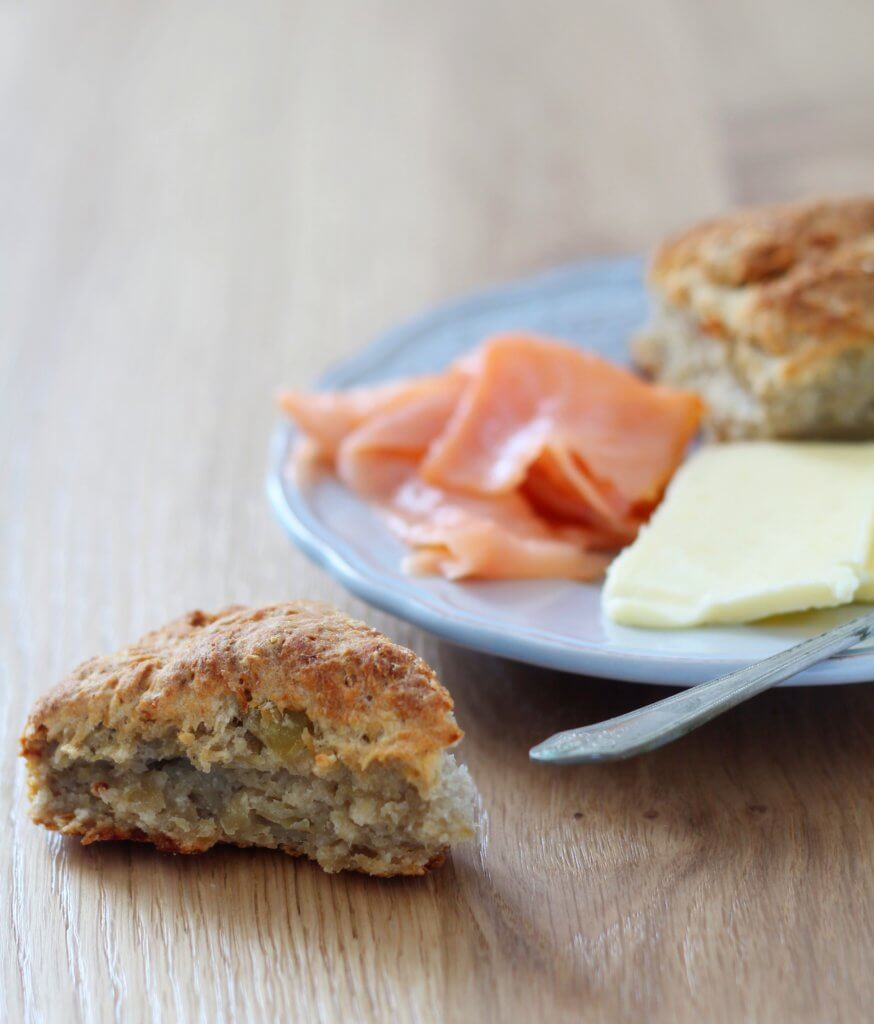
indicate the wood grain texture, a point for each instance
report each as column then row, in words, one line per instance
column 202, row 202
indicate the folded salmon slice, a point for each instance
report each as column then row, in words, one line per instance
column 525, row 459
column 378, row 456
column 610, row 441
column 328, row 417
column 464, row 537
column 560, row 490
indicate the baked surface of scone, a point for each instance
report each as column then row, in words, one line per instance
column 769, row 313
column 289, row 726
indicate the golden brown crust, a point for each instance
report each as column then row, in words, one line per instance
column 795, row 279
column 379, row 700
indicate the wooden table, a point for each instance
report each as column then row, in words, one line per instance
column 202, row 202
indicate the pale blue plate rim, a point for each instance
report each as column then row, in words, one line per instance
column 329, row 551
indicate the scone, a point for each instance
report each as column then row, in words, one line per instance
column 290, row 727
column 769, row 314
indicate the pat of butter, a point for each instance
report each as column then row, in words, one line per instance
column 750, row 530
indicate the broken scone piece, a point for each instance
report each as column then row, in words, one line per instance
column 291, row 727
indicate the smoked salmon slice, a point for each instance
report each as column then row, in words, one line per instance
column 464, row 537
column 382, row 452
column 598, row 423
column 528, row 458
column 327, row 418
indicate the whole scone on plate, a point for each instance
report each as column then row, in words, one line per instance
column 290, row 726
column 768, row 313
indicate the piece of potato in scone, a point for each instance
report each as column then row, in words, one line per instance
column 768, row 313
column 291, row 727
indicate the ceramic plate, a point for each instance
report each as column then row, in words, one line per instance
column 553, row 623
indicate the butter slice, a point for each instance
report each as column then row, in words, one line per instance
column 750, row 530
